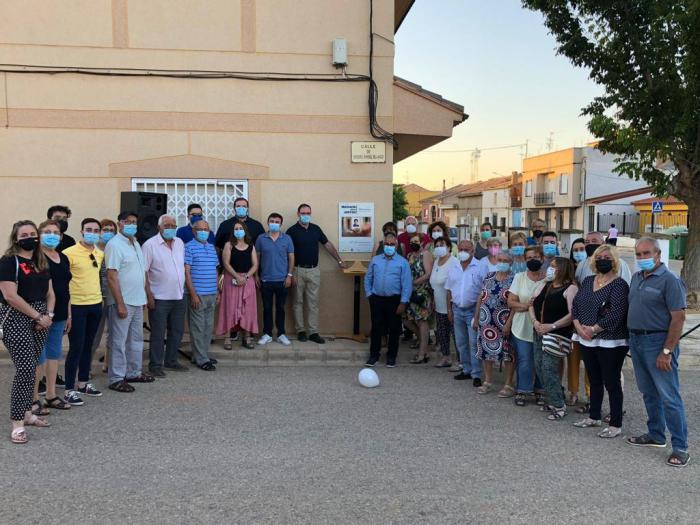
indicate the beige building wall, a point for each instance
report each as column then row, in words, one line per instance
column 78, row 140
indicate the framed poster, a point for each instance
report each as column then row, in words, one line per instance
column 355, row 226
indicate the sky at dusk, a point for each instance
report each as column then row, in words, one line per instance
column 497, row 60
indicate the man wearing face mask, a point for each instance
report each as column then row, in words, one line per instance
column 550, row 248
column 306, row 237
column 482, row 249
column 388, row 287
column 276, row 253
column 194, row 215
column 463, row 286
column 164, row 257
column 61, row 214
column 241, row 209
column 538, row 228
column 583, row 270
column 411, row 227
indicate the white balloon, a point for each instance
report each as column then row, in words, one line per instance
column 368, row 378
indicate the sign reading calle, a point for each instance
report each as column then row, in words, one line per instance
column 374, row 151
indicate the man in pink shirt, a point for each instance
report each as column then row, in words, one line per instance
column 164, row 257
column 411, row 226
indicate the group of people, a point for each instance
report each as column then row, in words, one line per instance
column 52, row 285
column 538, row 314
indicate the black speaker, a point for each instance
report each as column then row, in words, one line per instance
column 149, row 207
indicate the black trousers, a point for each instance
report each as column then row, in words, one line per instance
column 603, row 366
column 384, row 320
column 277, row 293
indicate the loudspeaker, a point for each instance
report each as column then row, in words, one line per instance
column 149, row 207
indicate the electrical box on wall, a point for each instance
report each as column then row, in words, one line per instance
column 340, row 52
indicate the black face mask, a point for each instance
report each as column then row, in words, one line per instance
column 28, row 243
column 534, row 265
column 537, row 233
column 591, row 248
column 63, row 225
column 415, row 246
column 603, row 265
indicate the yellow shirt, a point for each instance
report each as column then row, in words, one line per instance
column 85, row 284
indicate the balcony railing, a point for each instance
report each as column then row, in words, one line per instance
column 544, row 199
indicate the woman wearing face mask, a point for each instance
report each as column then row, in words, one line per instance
column 600, row 319
column 109, row 230
column 520, row 294
column 493, row 323
column 490, row 262
column 518, row 242
column 439, row 230
column 238, row 309
column 59, row 269
column 379, row 245
column 443, row 328
column 482, row 249
column 550, row 313
column 420, row 307
column 573, row 362
column 25, row 316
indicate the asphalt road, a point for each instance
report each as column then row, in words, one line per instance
column 309, row 445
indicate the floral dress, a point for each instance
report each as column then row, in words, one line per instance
column 493, row 316
column 422, row 310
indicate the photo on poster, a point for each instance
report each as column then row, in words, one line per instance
column 355, row 224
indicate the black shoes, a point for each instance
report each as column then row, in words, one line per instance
column 477, row 382
column 157, row 372
column 462, row 376
column 391, row 364
column 317, row 339
column 371, row 362
column 301, row 337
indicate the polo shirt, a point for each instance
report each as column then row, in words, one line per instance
column 305, row 240
column 223, row 234
column 85, row 284
column 126, row 257
column 203, row 261
column 653, row 298
column 273, row 255
column 186, row 234
column 165, row 267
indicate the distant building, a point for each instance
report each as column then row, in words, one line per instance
column 674, row 213
column 414, row 194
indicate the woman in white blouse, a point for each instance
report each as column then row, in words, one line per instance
column 441, row 267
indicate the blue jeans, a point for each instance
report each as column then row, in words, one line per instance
column 54, row 343
column 465, row 339
column 525, row 366
column 661, row 390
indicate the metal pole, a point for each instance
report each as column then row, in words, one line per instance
column 624, row 222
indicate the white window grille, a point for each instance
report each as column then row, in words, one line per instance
column 215, row 196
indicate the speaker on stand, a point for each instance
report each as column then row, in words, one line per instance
column 149, row 207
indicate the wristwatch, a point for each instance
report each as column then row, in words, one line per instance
column 554, row 326
column 667, row 351
column 51, row 315
column 290, row 275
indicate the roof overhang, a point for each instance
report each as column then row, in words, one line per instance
column 421, row 118
column 621, row 195
column 401, row 9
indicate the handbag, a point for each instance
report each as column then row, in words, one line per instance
column 2, row 333
column 554, row 344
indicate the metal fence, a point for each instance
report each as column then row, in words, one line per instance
column 626, row 223
column 640, row 223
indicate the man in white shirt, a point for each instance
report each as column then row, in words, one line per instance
column 463, row 285
column 164, row 257
column 612, row 235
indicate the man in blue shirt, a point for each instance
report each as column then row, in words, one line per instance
column 194, row 215
column 388, row 286
column 276, row 253
column 201, row 277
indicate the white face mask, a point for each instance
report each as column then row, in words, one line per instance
column 551, row 273
column 464, row 256
column 411, row 228
column 441, row 251
column 437, row 235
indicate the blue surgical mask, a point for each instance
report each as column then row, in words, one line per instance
column 50, row 240
column 646, row 264
column 389, row 251
column 238, row 234
column 305, row 219
column 550, row 250
column 202, row 235
column 503, row 267
column 274, row 227
column 169, row 234
column 518, row 251
column 195, row 219
column 91, row 238
column 130, row 230
column 241, row 211
column 580, row 256
column 107, row 236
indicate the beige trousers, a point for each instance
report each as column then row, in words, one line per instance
column 308, row 283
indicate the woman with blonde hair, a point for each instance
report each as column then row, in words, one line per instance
column 518, row 243
column 26, row 314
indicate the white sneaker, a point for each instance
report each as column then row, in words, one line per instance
column 264, row 340
column 283, row 339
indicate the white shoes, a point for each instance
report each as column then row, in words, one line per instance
column 264, row 340
column 283, row 340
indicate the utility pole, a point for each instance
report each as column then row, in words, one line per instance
column 550, row 141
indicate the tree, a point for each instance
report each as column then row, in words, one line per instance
column 400, row 203
column 646, row 56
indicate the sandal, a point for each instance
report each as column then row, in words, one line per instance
column 245, row 343
column 36, row 421
column 228, row 345
column 443, row 364
column 572, row 400
column 588, row 422
column 678, row 459
column 506, row 391
column 485, row 388
column 557, row 413
column 610, row 432
column 141, row 378
column 539, row 399
column 520, row 400
column 58, row 404
column 121, row 386
column 38, row 409
column 19, row 436
column 585, row 409
column 208, row 366
column 418, row 360
column 645, row 441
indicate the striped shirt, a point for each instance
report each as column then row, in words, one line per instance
column 203, row 263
